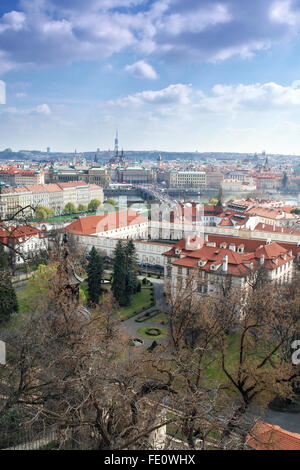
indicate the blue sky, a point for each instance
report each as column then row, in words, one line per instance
column 177, row 75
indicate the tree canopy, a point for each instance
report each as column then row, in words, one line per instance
column 95, row 274
column 94, row 204
column 8, row 302
column 43, row 213
column 69, row 208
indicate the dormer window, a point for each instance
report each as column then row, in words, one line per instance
column 177, row 251
column 201, row 263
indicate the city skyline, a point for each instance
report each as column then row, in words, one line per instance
column 210, row 76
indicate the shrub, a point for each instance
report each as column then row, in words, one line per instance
column 153, row 346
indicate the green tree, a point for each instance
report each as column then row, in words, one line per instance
column 94, row 204
column 82, row 208
column 119, row 285
column 220, row 195
column 111, row 201
column 131, row 268
column 285, row 180
column 69, row 208
column 8, row 303
column 43, row 213
column 38, row 290
column 95, row 274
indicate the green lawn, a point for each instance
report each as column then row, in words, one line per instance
column 160, row 317
column 65, row 218
column 140, row 302
column 145, row 332
column 24, row 303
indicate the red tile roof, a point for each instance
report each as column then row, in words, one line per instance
column 270, row 213
column 250, row 244
column 225, row 223
column 101, row 223
column 266, row 436
column 18, row 234
column 72, row 184
column 239, row 264
column 276, row 229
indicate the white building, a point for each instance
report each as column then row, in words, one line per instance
column 26, row 242
column 210, row 265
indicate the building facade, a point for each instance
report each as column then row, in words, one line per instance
column 186, row 179
column 53, row 196
column 211, row 267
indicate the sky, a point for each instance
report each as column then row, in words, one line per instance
column 170, row 75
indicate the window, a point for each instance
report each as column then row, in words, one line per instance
column 202, row 289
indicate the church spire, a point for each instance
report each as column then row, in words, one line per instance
column 117, row 143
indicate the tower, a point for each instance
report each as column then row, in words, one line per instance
column 117, row 144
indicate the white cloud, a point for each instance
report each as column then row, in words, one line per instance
column 142, row 69
column 14, row 20
column 172, row 95
column 283, row 12
column 260, row 95
column 63, row 31
column 43, row 109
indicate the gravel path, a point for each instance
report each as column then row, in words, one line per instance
column 131, row 326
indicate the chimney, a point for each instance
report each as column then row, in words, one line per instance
column 225, row 264
column 262, row 259
column 290, row 253
column 268, row 241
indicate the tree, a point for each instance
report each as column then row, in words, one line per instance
column 220, row 195
column 82, row 208
column 94, row 204
column 76, row 373
column 38, row 290
column 8, row 303
column 131, row 268
column 111, row 201
column 69, row 208
column 125, row 282
column 295, row 211
column 43, row 213
column 119, row 285
column 243, row 338
column 285, row 180
column 95, row 274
